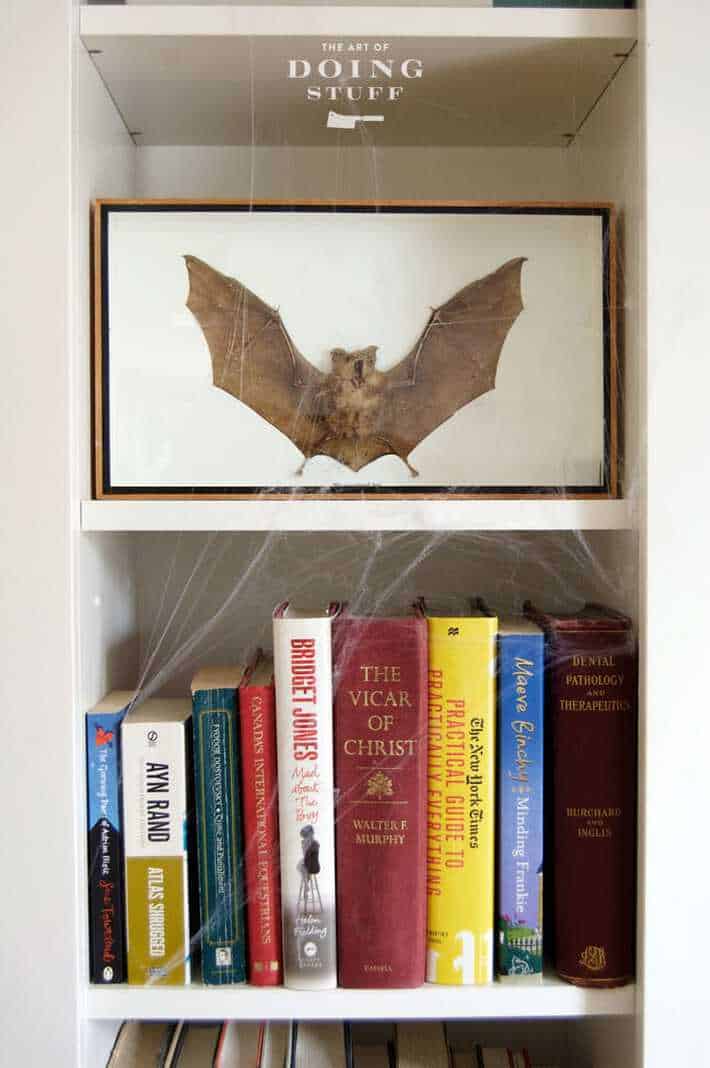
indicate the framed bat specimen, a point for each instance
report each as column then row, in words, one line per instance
column 300, row 349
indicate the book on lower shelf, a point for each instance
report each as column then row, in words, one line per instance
column 195, row 1045
column 380, row 667
column 105, row 838
column 461, row 795
column 218, row 824
column 240, row 1043
column 421, row 1045
column 500, row 1057
column 143, row 1042
column 592, row 708
column 318, row 1045
column 156, row 747
column 521, row 666
column 310, row 1044
column 304, row 726
column 259, row 779
column 611, row 4
column 274, row 1044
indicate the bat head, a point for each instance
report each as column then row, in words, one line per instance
column 358, row 365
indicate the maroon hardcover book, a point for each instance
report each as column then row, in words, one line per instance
column 257, row 720
column 380, row 669
column 592, row 704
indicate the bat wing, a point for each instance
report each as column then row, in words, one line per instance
column 455, row 360
column 253, row 357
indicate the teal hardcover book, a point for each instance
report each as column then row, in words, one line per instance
column 218, row 819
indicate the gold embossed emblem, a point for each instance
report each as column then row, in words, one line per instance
column 593, row 958
column 379, row 785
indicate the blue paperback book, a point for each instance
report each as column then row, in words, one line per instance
column 107, row 917
column 520, row 797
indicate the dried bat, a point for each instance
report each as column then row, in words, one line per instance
column 355, row 413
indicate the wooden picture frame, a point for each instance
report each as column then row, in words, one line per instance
column 126, row 232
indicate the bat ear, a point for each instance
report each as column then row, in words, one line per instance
column 371, row 354
column 337, row 354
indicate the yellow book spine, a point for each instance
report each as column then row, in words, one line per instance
column 461, row 800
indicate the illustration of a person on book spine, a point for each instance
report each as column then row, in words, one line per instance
column 309, row 868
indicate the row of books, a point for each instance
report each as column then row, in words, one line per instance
column 383, row 787
column 238, row 1044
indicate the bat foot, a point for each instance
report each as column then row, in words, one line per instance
column 412, row 470
column 301, row 467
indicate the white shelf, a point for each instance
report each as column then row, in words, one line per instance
column 346, row 515
column 550, row 998
column 366, row 20
column 218, row 75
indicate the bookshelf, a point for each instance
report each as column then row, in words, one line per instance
column 85, row 579
column 365, row 516
column 174, row 71
column 551, row 998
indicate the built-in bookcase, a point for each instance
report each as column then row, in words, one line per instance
column 148, row 590
column 200, row 579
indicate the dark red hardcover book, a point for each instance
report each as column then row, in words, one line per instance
column 380, row 721
column 257, row 718
column 592, row 686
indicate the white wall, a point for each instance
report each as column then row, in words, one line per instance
column 44, row 445
column 675, row 978
column 37, row 916
column 103, row 565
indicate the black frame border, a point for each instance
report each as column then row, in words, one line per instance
column 603, row 490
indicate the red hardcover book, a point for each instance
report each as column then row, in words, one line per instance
column 257, row 718
column 380, row 684
column 592, row 702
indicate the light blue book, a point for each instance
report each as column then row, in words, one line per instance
column 521, row 654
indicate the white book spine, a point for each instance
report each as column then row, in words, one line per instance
column 304, row 726
column 155, row 812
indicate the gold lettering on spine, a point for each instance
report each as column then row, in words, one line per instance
column 263, row 902
column 380, row 722
column 596, row 821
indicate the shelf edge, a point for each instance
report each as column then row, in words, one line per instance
column 552, row 998
column 367, row 21
column 369, row 515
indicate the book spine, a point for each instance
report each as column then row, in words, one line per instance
column 520, row 804
column 563, row 3
column 380, row 773
column 304, row 726
column 257, row 716
column 155, row 814
column 219, row 844
column 461, row 800
column 107, row 940
column 593, row 704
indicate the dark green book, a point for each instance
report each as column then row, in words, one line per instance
column 218, row 819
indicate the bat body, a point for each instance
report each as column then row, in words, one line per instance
column 355, row 413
